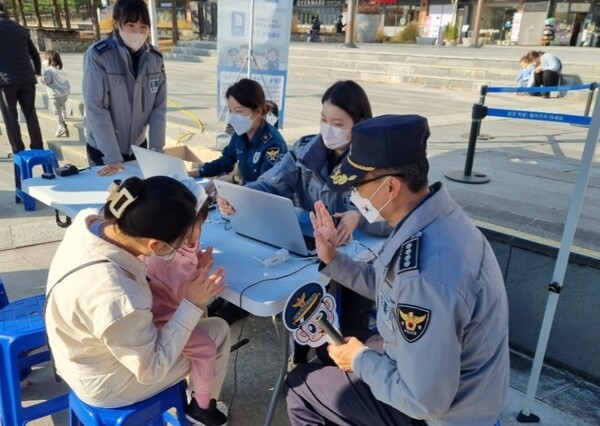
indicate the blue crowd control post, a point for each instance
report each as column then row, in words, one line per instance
column 468, row 176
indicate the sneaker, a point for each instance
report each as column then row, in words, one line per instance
column 230, row 313
column 210, row 416
column 62, row 131
column 214, row 306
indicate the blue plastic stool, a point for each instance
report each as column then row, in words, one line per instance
column 24, row 162
column 22, row 329
column 150, row 412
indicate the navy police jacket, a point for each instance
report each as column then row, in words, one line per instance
column 254, row 156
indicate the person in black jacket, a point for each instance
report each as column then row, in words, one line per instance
column 315, row 28
column 17, row 82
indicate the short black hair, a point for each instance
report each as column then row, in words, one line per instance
column 125, row 11
column 413, row 175
column 2, row 8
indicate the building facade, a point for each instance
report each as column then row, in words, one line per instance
column 574, row 22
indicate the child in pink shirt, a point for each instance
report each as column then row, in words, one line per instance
column 167, row 278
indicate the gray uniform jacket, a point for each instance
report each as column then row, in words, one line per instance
column 302, row 175
column 442, row 313
column 119, row 106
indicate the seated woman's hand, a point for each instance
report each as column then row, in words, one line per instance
column 203, row 286
column 224, row 207
column 348, row 221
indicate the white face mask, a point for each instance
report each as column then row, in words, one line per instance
column 365, row 206
column 165, row 257
column 133, row 41
column 241, row 124
column 334, row 137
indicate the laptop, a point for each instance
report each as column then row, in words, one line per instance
column 154, row 163
column 268, row 218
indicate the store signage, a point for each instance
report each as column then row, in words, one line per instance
column 539, row 6
column 580, row 7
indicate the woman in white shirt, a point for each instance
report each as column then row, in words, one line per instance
column 98, row 316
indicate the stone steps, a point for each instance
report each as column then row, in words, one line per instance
column 452, row 70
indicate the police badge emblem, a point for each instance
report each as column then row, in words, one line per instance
column 272, row 155
column 413, row 321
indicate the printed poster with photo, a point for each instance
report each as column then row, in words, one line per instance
column 270, row 45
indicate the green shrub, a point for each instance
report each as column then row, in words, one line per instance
column 450, row 32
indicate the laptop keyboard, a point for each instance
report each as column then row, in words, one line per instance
column 311, row 244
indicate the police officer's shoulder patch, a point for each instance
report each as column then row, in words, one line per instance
column 413, row 321
column 155, row 50
column 408, row 258
column 306, row 139
column 266, row 137
column 102, row 46
column 272, row 154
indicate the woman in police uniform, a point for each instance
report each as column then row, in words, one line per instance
column 256, row 145
column 124, row 90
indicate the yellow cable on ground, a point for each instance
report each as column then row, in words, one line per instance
column 189, row 114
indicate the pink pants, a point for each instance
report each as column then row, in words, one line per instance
column 208, row 352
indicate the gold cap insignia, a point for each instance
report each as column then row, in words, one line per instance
column 339, row 178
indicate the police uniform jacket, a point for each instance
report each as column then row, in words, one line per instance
column 442, row 313
column 254, row 157
column 302, row 175
column 17, row 53
column 100, row 324
column 119, row 106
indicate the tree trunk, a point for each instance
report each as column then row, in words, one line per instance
column 175, row 30
column 56, row 11
column 22, row 12
column 67, row 16
column 15, row 12
column 36, row 8
column 94, row 16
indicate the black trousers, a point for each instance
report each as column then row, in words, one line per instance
column 96, row 158
column 24, row 95
column 546, row 78
column 325, row 395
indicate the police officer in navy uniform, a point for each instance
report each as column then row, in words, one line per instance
column 441, row 357
column 256, row 145
column 124, row 90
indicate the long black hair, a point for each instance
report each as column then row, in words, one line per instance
column 349, row 96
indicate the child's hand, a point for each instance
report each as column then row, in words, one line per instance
column 202, row 287
column 205, row 257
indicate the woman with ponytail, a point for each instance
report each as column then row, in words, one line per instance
column 100, row 326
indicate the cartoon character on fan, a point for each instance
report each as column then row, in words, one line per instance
column 303, row 308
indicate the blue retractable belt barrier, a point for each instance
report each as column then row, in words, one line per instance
column 480, row 111
column 537, row 115
column 539, row 89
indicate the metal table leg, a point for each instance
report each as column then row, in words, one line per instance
column 284, row 350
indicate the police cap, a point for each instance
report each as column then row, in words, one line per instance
column 382, row 142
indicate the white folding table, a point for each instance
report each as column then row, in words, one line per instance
column 260, row 290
